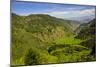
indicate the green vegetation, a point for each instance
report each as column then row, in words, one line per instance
column 68, row 40
column 43, row 39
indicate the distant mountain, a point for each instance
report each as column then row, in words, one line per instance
column 74, row 24
column 83, row 19
column 86, row 30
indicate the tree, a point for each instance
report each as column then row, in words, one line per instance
column 31, row 57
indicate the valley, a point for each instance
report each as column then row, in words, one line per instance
column 44, row 39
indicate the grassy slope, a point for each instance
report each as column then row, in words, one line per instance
column 68, row 40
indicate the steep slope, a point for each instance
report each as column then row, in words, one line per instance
column 44, row 27
column 88, row 34
column 86, row 30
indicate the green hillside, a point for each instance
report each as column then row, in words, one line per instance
column 44, row 39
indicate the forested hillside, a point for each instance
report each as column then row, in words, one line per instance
column 88, row 33
column 44, row 39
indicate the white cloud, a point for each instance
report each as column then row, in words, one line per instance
column 73, row 14
column 88, row 11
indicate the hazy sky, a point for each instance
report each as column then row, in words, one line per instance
column 66, row 11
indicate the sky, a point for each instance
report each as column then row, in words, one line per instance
column 64, row 11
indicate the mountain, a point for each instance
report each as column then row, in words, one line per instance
column 36, row 31
column 88, row 34
column 86, row 30
column 44, row 27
